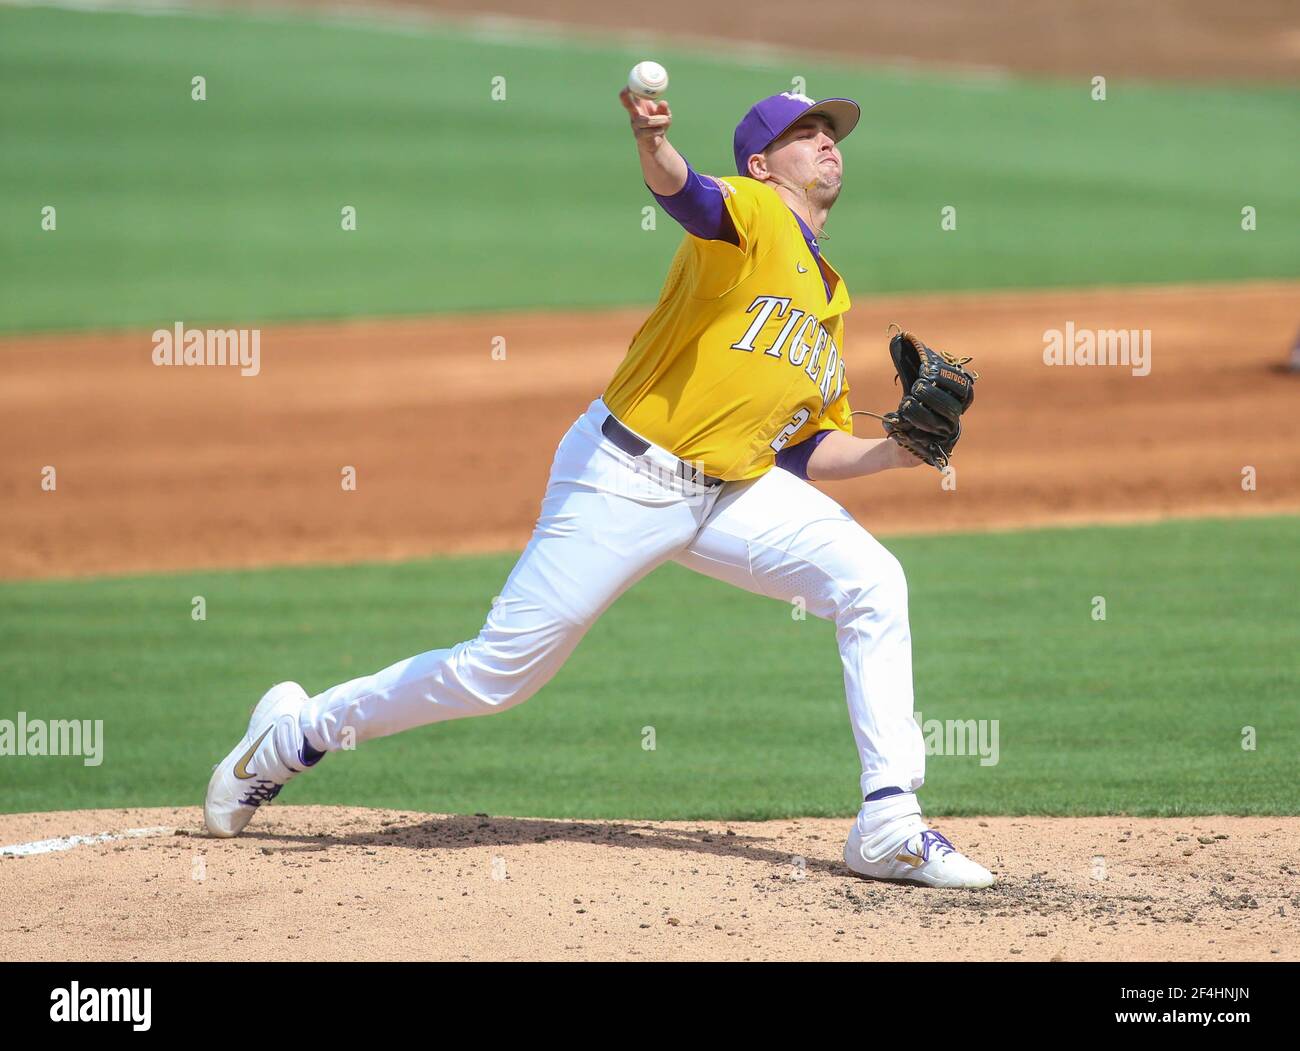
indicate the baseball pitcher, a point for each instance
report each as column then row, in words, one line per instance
column 732, row 395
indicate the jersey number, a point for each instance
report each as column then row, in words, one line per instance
column 788, row 431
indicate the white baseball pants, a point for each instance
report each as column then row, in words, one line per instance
column 607, row 520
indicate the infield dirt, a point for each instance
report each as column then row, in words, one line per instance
column 163, row 468
column 313, row 883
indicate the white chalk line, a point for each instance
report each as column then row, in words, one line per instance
column 49, row 846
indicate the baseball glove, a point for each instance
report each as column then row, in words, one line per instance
column 937, row 389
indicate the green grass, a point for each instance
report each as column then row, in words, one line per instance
column 1142, row 713
column 229, row 209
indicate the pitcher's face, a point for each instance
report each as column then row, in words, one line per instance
column 807, row 157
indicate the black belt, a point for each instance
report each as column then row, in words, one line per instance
column 634, row 446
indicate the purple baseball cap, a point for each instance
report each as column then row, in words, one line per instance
column 770, row 118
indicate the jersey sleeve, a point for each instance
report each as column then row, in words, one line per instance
column 748, row 205
column 753, row 211
column 698, row 207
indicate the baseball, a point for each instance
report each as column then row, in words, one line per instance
column 648, row 80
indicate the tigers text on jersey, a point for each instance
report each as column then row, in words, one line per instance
column 742, row 355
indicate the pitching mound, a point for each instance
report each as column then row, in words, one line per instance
column 329, row 883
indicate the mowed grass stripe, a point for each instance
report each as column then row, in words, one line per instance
column 1144, row 712
column 229, row 210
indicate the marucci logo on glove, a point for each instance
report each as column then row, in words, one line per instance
column 937, row 391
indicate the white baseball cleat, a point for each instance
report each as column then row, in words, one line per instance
column 925, row 858
column 254, row 771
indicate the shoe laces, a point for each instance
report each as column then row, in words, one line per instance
column 261, row 792
column 934, row 841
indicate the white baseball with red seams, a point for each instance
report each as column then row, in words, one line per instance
column 648, row 80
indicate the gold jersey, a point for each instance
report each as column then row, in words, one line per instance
column 742, row 355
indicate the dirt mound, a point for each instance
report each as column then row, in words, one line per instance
column 326, row 883
column 166, row 468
